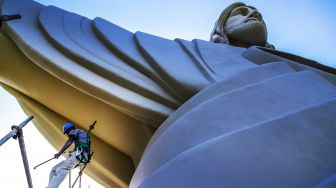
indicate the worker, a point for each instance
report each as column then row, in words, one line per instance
column 80, row 154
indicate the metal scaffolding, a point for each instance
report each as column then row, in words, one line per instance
column 18, row 133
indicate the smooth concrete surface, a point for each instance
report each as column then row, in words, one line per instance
column 186, row 77
column 221, row 115
column 234, row 110
column 295, row 150
column 222, row 59
column 256, row 74
column 93, row 55
column 261, row 55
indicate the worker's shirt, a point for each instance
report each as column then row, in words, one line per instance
column 79, row 135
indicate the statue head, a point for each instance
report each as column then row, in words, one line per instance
column 240, row 25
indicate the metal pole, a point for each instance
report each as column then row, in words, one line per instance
column 17, row 133
column 80, row 178
column 14, row 132
column 24, row 155
column 43, row 163
column 80, row 173
column 69, row 178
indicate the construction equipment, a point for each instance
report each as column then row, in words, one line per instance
column 43, row 163
column 80, row 174
column 6, row 18
column 17, row 133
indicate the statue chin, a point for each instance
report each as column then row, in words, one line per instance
column 249, row 33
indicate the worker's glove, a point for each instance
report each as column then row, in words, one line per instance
column 57, row 155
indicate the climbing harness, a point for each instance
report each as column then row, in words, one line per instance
column 83, row 155
column 83, row 151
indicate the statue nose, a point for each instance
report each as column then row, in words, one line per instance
column 255, row 14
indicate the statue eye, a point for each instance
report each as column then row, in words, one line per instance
column 240, row 11
column 237, row 12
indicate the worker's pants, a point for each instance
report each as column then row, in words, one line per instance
column 61, row 170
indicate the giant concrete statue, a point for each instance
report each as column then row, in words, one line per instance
column 240, row 25
column 231, row 112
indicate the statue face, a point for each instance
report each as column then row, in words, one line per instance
column 245, row 25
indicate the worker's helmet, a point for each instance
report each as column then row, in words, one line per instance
column 67, row 126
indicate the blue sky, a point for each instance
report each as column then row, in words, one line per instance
column 302, row 27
